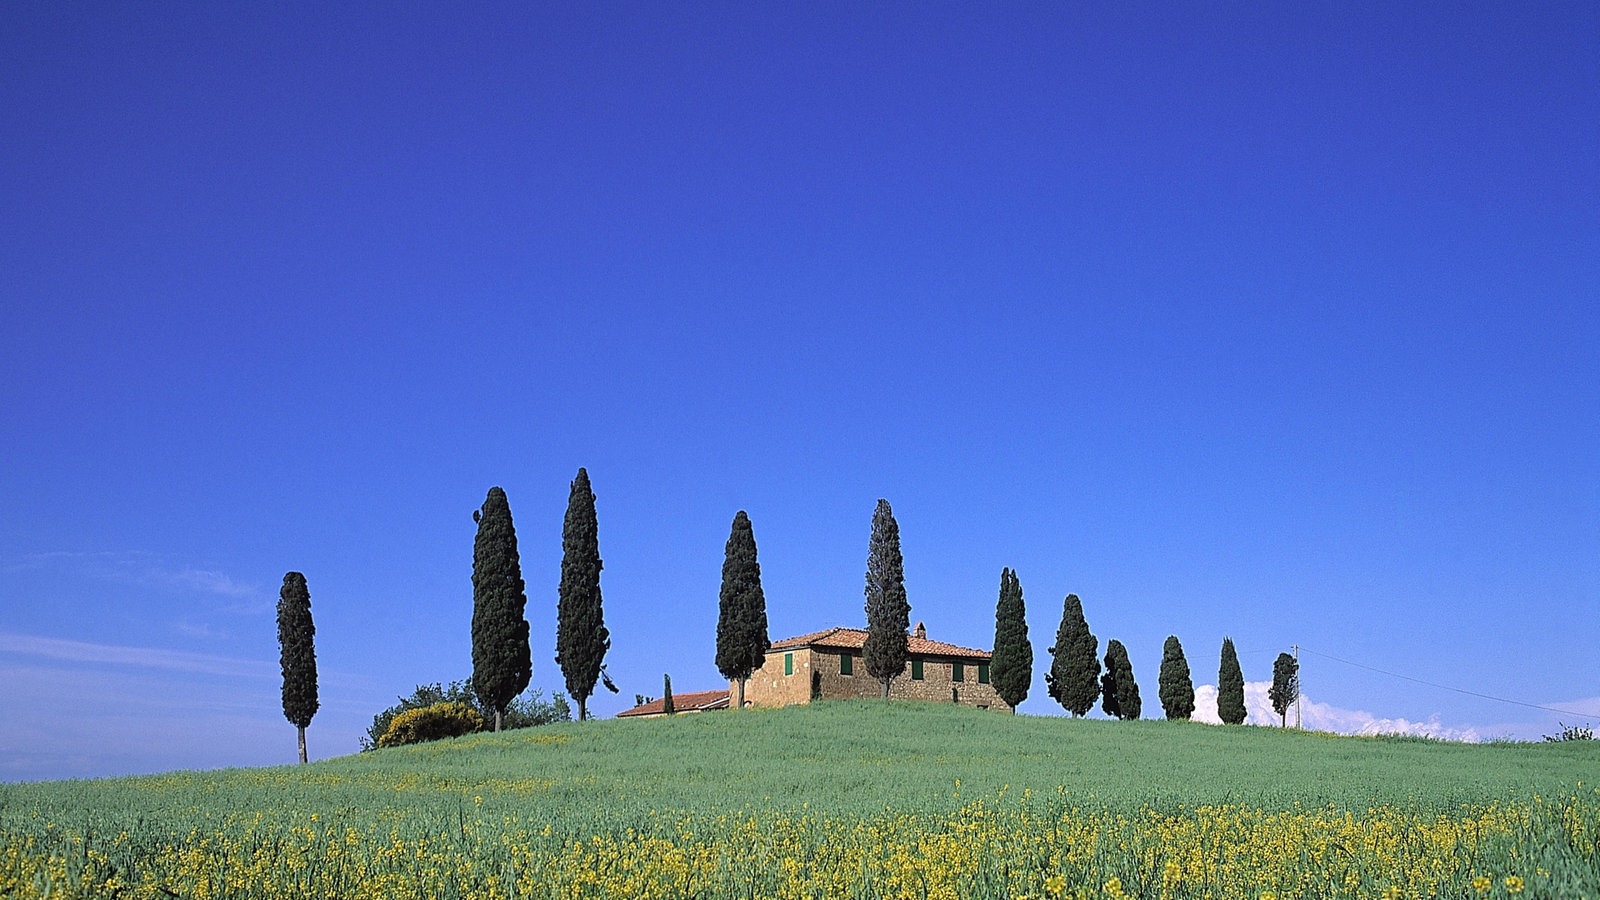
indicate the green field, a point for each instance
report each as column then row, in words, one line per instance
column 837, row 799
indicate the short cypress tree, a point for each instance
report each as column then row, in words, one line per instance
column 1011, row 667
column 666, row 695
column 581, row 636
column 1119, row 693
column 502, row 663
column 298, row 654
column 1230, row 686
column 742, row 640
column 1176, row 687
column 888, row 611
column 1074, row 676
column 1285, row 686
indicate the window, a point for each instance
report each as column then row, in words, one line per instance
column 983, row 673
column 847, row 664
column 788, row 664
column 958, row 672
column 916, row 670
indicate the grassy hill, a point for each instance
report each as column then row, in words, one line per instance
column 863, row 756
column 742, row 804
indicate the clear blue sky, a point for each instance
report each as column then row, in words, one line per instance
column 1279, row 323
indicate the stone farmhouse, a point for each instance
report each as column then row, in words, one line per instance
column 827, row 665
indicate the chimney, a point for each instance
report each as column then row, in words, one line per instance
column 922, row 632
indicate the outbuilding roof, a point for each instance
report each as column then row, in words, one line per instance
column 856, row 638
column 698, row 701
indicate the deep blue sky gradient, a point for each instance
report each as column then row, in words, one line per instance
column 1278, row 323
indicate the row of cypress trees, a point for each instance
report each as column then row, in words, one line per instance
column 1076, row 678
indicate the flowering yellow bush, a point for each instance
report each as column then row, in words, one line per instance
column 431, row 723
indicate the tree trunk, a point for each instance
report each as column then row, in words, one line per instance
column 738, row 694
column 583, row 708
column 302, row 730
column 499, row 717
column 886, row 689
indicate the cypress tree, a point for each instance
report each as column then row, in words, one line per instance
column 742, row 610
column 1011, row 668
column 502, row 664
column 298, row 654
column 1074, row 676
column 1230, row 686
column 1285, row 686
column 666, row 695
column 581, row 636
column 888, row 612
column 1119, row 693
column 1176, row 687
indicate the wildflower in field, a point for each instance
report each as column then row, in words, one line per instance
column 1514, row 884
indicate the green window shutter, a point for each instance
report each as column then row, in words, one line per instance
column 788, row 664
column 958, row 672
column 916, row 670
column 983, row 673
column 847, row 664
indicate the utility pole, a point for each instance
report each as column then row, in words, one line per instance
column 1297, row 686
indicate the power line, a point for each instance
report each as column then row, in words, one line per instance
column 1442, row 687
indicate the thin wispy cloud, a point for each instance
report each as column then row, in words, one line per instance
column 207, row 582
column 139, row 567
column 83, row 652
column 1588, row 706
column 200, row 631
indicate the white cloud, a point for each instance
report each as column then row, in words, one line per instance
column 1325, row 717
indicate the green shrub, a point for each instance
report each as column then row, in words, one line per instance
column 431, row 723
column 526, row 711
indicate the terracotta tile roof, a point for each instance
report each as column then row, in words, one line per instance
column 692, row 702
column 856, row 638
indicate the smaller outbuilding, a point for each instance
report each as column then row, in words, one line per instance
column 699, row 701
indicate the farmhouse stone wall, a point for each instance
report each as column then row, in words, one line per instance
column 820, row 666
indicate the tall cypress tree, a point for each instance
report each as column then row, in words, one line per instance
column 1011, row 668
column 888, row 611
column 1119, row 693
column 581, row 636
column 1230, row 686
column 502, row 663
column 1074, row 676
column 297, row 654
column 1285, row 688
column 667, row 708
column 1176, row 686
column 742, row 640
